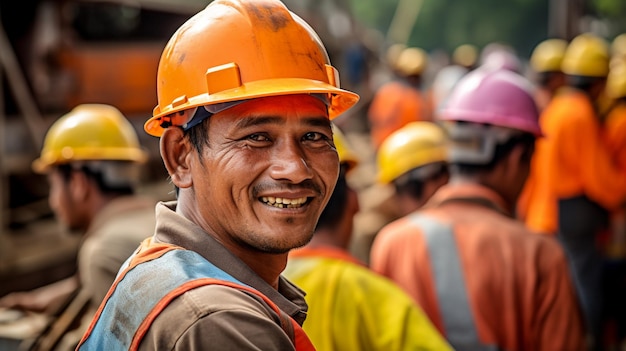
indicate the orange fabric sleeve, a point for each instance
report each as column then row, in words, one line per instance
column 581, row 161
column 537, row 202
column 615, row 126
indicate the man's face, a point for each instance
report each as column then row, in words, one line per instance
column 268, row 171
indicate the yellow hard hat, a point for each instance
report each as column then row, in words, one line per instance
column 392, row 54
column 616, row 81
column 90, row 132
column 414, row 145
column 465, row 55
column 235, row 50
column 548, row 55
column 618, row 45
column 412, row 61
column 346, row 153
column 586, row 55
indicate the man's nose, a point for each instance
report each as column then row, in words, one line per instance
column 290, row 163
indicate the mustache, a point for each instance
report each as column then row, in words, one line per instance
column 279, row 186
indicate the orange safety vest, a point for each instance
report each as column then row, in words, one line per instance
column 156, row 292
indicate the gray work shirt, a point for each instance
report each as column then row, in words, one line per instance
column 215, row 316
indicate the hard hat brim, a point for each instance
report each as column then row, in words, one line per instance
column 340, row 100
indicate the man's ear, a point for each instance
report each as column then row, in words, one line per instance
column 515, row 161
column 80, row 186
column 176, row 151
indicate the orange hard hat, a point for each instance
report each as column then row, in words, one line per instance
column 235, row 50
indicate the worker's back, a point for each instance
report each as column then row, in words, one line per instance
column 471, row 267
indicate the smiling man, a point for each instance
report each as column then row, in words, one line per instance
column 246, row 94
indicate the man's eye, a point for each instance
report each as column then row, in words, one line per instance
column 258, row 137
column 313, row 136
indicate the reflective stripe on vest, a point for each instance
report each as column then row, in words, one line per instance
column 458, row 321
column 125, row 318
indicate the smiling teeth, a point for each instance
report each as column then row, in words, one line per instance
column 282, row 202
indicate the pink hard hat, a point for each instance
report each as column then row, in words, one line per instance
column 497, row 97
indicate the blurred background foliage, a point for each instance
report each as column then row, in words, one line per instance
column 445, row 24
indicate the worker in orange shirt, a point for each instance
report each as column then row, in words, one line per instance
column 484, row 280
column 545, row 62
column 615, row 247
column 614, row 120
column 401, row 100
column 580, row 181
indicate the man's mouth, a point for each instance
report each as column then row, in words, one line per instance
column 281, row 202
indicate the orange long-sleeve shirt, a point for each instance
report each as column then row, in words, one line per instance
column 572, row 159
column 537, row 203
column 615, row 132
column 517, row 284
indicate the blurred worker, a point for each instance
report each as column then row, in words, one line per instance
column 401, row 100
column 340, row 289
column 545, row 62
column 615, row 246
column 617, row 52
column 618, row 47
column 245, row 97
column 391, row 57
column 577, row 181
column 464, row 59
column 615, row 120
column 92, row 156
column 482, row 278
column 412, row 162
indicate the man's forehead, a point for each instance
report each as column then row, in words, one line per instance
column 267, row 119
column 274, row 108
